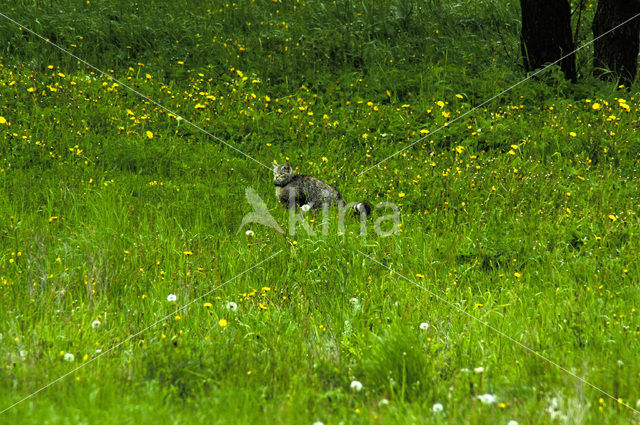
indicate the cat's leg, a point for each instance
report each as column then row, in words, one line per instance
column 308, row 206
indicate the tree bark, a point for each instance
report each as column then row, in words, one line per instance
column 546, row 35
column 615, row 55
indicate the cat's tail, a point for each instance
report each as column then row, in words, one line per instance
column 362, row 209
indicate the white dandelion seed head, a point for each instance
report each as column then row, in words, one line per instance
column 424, row 326
column 232, row 306
column 23, row 354
column 478, row 369
column 354, row 301
column 437, row 407
column 68, row 357
column 554, row 409
column 172, row 298
column 383, row 402
column 305, row 207
column 249, row 233
column 95, row 324
column 465, row 370
column 512, row 422
column 356, row 386
column 318, row 423
column 638, row 404
column 487, row 398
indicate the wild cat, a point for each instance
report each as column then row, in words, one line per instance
column 309, row 192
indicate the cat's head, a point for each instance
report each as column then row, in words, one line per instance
column 282, row 173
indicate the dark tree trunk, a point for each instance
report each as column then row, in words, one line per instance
column 617, row 51
column 546, row 35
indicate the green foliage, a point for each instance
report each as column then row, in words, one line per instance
column 521, row 214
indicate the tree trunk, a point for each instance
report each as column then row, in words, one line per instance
column 617, row 51
column 546, row 35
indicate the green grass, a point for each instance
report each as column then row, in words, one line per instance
column 522, row 214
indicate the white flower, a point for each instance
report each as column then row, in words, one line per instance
column 95, row 324
column 305, row 207
column 478, row 369
column 318, row 423
column 638, row 404
column 172, row 298
column 232, row 306
column 465, row 370
column 424, row 326
column 68, row 357
column 249, row 233
column 383, row 402
column 356, row 385
column 437, row 407
column 487, row 398
column 512, row 422
column 23, row 354
column 354, row 301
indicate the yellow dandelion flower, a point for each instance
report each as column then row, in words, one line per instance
column 596, row 106
column 222, row 323
column 459, row 96
column 149, row 134
column 612, row 217
column 517, row 275
column 187, row 253
column 572, row 134
column 2, row 120
column 208, row 305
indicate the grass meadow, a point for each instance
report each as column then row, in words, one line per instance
column 518, row 221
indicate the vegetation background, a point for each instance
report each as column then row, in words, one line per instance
column 522, row 214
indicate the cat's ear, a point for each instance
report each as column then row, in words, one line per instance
column 287, row 166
